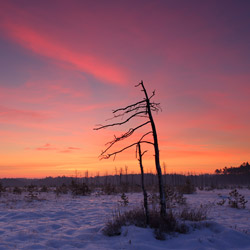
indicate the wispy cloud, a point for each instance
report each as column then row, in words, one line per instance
column 49, row 147
column 21, row 31
column 7, row 114
column 73, row 148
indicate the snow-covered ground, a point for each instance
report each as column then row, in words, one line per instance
column 67, row 222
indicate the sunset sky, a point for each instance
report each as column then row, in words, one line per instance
column 65, row 65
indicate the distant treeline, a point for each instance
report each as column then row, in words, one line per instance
column 243, row 169
column 133, row 180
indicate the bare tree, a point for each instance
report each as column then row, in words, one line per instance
column 144, row 109
column 140, row 154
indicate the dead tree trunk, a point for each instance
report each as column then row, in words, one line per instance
column 143, row 109
column 142, row 184
column 157, row 154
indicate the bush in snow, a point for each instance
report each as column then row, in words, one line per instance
column 221, row 203
column 194, row 214
column 187, row 188
column 32, row 194
column 17, row 190
column 79, row 188
column 44, row 189
column 2, row 188
column 133, row 217
column 109, row 189
column 236, row 200
column 63, row 189
column 124, row 200
column 113, row 228
column 31, row 188
column 173, row 197
column 136, row 216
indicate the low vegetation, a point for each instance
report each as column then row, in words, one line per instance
column 173, row 221
column 136, row 217
column 178, row 213
column 79, row 188
column 178, row 216
column 234, row 199
column 194, row 214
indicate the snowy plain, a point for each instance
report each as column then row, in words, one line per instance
column 66, row 222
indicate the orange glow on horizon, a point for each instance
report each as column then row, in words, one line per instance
column 66, row 67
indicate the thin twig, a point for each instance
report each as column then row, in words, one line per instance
column 120, row 123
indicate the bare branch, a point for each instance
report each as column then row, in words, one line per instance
column 153, row 94
column 129, row 106
column 155, row 106
column 150, row 132
column 125, row 135
column 144, row 152
column 120, row 123
column 107, row 156
column 129, row 111
column 140, row 83
column 132, row 130
column 117, row 152
column 148, row 142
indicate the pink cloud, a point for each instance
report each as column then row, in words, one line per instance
column 46, row 147
column 209, row 120
column 42, row 92
column 69, row 150
column 73, row 148
column 49, row 147
column 18, row 25
column 66, row 151
column 8, row 114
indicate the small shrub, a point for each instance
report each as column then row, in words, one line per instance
column 159, row 234
column 63, row 189
column 109, row 189
column 124, row 200
column 236, row 200
column 173, row 197
column 221, row 203
column 2, row 188
column 31, row 196
column 165, row 224
column 187, row 188
column 133, row 217
column 79, row 188
column 153, row 200
column 44, row 189
column 112, row 228
column 194, row 214
column 136, row 217
column 17, row 190
column 31, row 188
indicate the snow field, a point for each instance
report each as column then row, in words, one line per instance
column 67, row 222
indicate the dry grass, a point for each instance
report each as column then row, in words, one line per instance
column 161, row 225
column 194, row 214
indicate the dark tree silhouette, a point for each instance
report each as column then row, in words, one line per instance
column 144, row 109
column 244, row 168
column 140, row 154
